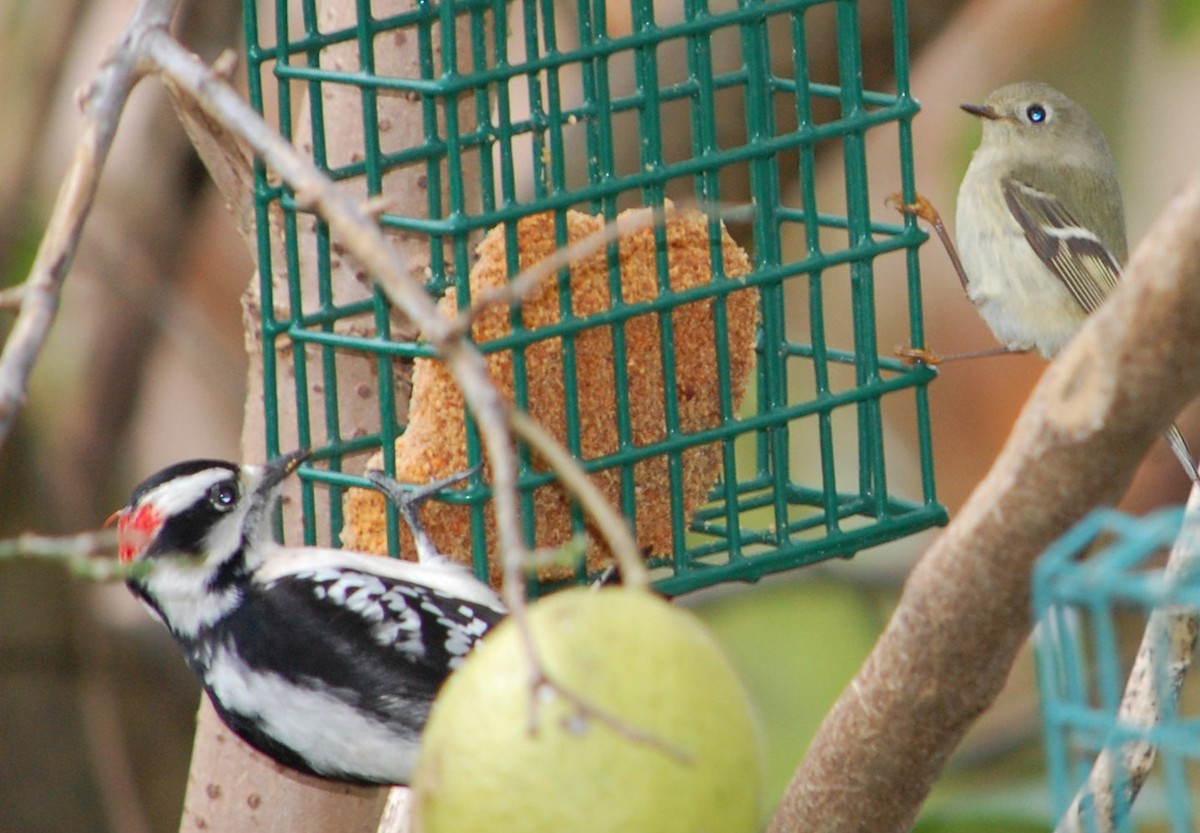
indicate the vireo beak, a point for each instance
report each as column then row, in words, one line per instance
column 981, row 110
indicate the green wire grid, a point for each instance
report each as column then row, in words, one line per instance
column 1094, row 592
column 751, row 122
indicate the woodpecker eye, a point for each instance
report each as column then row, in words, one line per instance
column 1036, row 114
column 223, row 496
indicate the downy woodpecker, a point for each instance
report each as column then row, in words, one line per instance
column 323, row 659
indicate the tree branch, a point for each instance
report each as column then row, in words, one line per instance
column 965, row 609
column 576, row 481
column 102, row 101
column 79, row 552
column 12, row 297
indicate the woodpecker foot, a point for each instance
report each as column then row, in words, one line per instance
column 408, row 499
column 407, row 494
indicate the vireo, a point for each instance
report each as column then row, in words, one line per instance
column 1040, row 222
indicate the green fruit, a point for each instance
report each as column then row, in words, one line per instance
column 637, row 660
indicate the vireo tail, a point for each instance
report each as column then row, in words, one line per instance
column 1041, row 223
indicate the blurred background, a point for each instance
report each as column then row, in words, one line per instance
column 146, row 367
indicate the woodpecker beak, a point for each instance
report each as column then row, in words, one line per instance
column 981, row 110
column 276, row 471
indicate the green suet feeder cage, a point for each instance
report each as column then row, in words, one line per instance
column 1103, row 594
column 489, row 111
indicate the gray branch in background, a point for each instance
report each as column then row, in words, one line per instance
column 103, row 102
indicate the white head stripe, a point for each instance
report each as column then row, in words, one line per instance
column 179, row 493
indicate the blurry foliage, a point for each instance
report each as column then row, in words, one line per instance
column 1180, row 20
column 18, row 258
column 822, row 629
column 798, row 642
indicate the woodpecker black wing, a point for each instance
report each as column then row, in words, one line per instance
column 423, row 628
column 348, row 657
column 347, row 628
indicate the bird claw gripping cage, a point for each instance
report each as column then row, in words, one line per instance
column 1122, row 717
column 454, row 118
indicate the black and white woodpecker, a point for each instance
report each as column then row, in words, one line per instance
column 325, row 660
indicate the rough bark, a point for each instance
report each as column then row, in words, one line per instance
column 965, row 609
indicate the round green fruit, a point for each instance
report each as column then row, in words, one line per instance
column 655, row 733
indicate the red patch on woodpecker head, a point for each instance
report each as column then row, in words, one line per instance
column 136, row 528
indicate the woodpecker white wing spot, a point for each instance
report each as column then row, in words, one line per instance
column 402, row 627
column 356, row 591
column 458, row 645
column 475, row 626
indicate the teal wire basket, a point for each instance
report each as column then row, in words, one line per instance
column 1095, row 593
column 520, row 108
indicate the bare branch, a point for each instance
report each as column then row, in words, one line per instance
column 12, row 297
column 584, row 710
column 576, row 481
column 964, row 612
column 103, row 102
column 625, row 224
column 68, row 548
column 524, row 283
column 79, row 552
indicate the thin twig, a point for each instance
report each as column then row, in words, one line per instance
column 633, row 574
column 529, row 278
column 1163, row 660
column 547, row 688
column 12, row 297
column 563, row 555
column 68, row 548
column 576, row 481
column 627, row 223
column 81, row 552
column 102, row 101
